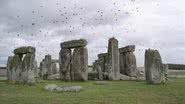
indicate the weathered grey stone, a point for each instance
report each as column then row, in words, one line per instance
column 37, row 71
column 153, row 67
column 28, row 69
column 80, row 64
column 129, row 48
column 74, row 43
column 24, row 50
column 92, row 75
column 65, row 64
column 98, row 66
column 102, row 60
column 13, row 68
column 165, row 72
column 55, row 61
column 102, row 55
column 105, row 75
column 54, row 77
column 100, row 73
column 50, row 87
column 48, row 63
column 122, row 63
column 141, row 73
column 43, row 69
column 130, row 64
column 68, row 88
column 125, row 77
column 54, row 68
column 113, row 59
column 101, row 82
column 22, row 67
column 9, row 68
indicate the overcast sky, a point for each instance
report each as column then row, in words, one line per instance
column 44, row 24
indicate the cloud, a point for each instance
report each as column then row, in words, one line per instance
column 45, row 24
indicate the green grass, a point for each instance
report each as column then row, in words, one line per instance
column 116, row 92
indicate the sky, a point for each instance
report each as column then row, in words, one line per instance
column 44, row 24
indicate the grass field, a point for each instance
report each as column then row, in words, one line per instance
column 115, row 92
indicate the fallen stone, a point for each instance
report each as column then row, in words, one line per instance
column 113, row 59
column 24, row 50
column 54, row 77
column 74, row 44
column 79, row 64
column 153, row 67
column 101, row 82
column 50, row 87
column 68, row 88
column 124, row 77
column 127, row 78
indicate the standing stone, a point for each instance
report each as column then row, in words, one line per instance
column 113, row 59
column 15, row 68
column 98, row 69
column 37, row 71
column 122, row 63
column 48, row 63
column 43, row 70
column 9, row 68
column 165, row 72
column 103, row 61
column 100, row 73
column 54, row 68
column 79, row 68
column 153, row 67
column 130, row 64
column 65, row 64
column 28, row 69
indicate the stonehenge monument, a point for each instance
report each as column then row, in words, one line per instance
column 21, row 67
column 153, row 67
column 116, row 64
column 73, row 60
